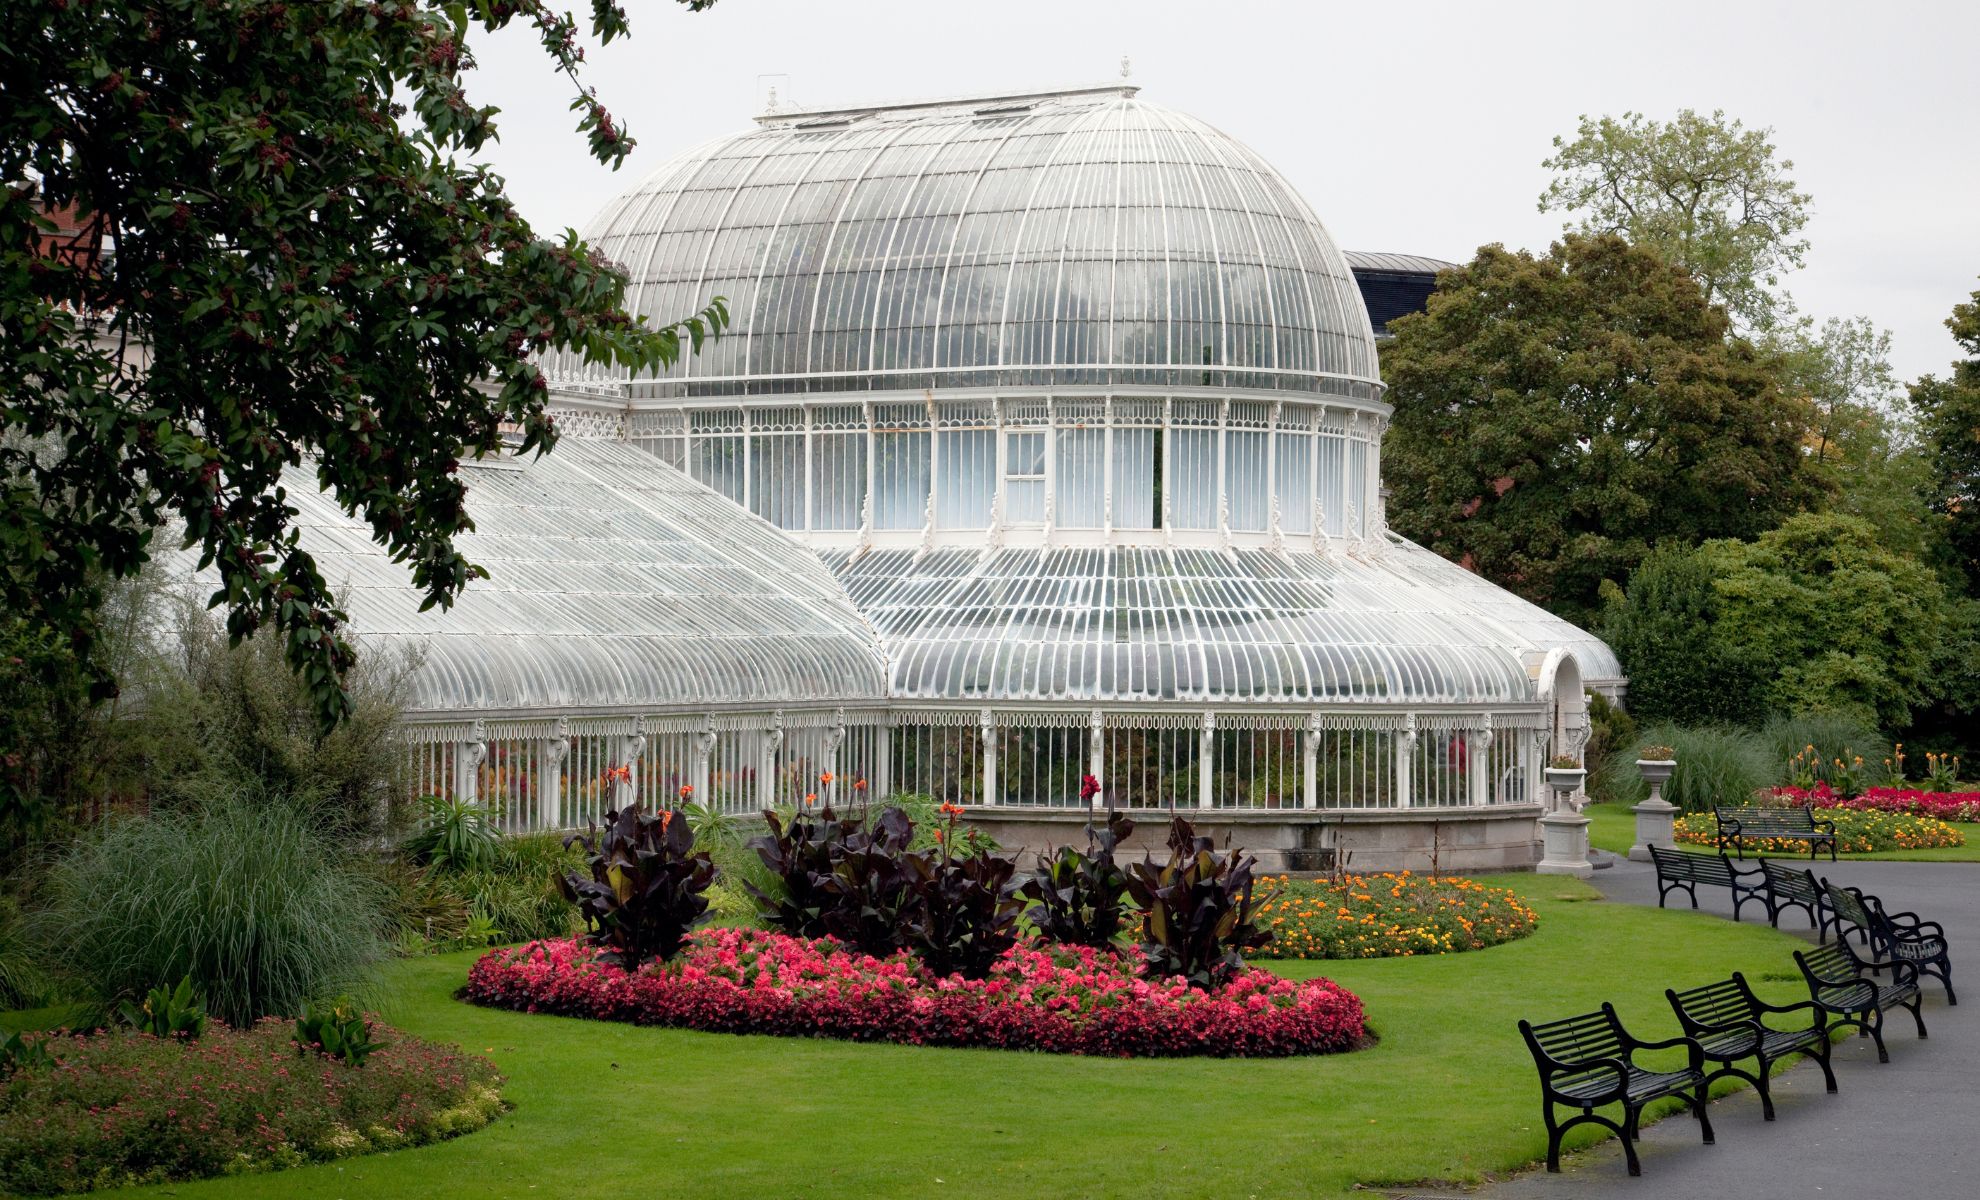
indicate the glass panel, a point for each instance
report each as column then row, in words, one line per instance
column 1333, row 476
column 838, row 480
column 1134, row 478
column 1244, row 478
column 900, row 483
column 776, row 474
column 1294, row 482
column 1082, row 479
column 1193, row 478
column 967, row 478
column 717, row 461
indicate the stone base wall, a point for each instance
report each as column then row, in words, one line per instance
column 1499, row 838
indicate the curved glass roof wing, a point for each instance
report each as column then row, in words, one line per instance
column 1068, row 238
column 1112, row 623
column 615, row 584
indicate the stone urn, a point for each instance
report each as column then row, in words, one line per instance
column 1655, row 816
column 1564, row 831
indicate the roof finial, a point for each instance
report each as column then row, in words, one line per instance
column 1126, row 68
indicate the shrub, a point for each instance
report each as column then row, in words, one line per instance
column 168, row 1012
column 1196, row 910
column 216, row 720
column 1078, row 894
column 453, row 835
column 257, row 905
column 1857, row 832
column 1377, row 916
column 646, row 885
column 122, row 1108
column 20, row 1054
column 340, row 1031
column 1714, row 766
column 1061, row 999
column 1610, row 730
column 518, row 891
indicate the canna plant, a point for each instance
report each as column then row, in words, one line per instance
column 871, row 891
column 965, row 906
column 340, row 1031
column 168, row 1012
column 454, row 835
column 647, row 886
column 801, row 854
column 1078, row 896
column 1196, row 910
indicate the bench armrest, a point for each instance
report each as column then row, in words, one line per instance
column 1797, row 1006
column 1911, row 922
column 1551, row 1067
column 1825, row 825
column 1697, row 1052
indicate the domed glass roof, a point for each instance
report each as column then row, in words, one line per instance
column 614, row 583
column 1081, row 237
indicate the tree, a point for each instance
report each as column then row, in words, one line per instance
column 1557, row 417
column 226, row 248
column 1813, row 616
column 1949, row 436
column 1705, row 192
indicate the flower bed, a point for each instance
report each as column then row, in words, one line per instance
column 122, row 1107
column 1378, row 916
column 1858, row 831
column 1059, row 999
column 1943, row 806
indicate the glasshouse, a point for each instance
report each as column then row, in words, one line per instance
column 1045, row 444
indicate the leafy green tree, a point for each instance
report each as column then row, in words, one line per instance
column 1559, row 416
column 1664, row 628
column 1705, row 192
column 1949, row 435
column 239, row 235
column 1814, row 616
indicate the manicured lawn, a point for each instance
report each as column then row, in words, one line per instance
column 1612, row 827
column 1449, row 1093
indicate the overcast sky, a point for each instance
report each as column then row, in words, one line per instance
column 1412, row 127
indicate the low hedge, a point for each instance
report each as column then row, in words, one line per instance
column 1380, row 916
column 1060, row 999
column 120, row 1108
column 1858, row 831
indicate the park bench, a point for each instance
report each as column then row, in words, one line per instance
column 1847, row 987
column 1728, row 1022
column 1894, row 937
column 1680, row 870
column 1589, row 1061
column 1788, row 888
column 1785, row 824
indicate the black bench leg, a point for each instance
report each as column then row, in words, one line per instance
column 1630, row 1116
column 1917, row 1008
column 1553, row 1139
column 1945, row 977
column 1760, row 1085
column 1828, row 1070
column 1697, row 1103
column 1876, row 1031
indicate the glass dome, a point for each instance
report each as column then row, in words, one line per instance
column 1075, row 237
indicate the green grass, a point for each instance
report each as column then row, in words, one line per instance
column 1612, row 827
column 1449, row 1093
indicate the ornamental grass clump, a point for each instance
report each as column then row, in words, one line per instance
column 645, row 888
column 1858, row 831
column 123, row 1108
column 250, row 900
column 1379, row 916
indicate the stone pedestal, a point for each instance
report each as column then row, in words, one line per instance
column 1564, row 845
column 1655, row 816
